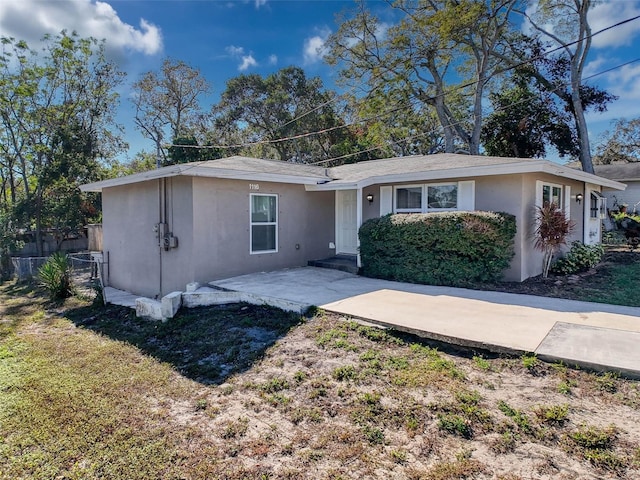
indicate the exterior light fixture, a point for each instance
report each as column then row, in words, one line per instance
column 370, row 197
column 579, row 198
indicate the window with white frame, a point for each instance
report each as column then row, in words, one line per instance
column 409, row 199
column 264, row 223
column 598, row 205
column 552, row 194
column 426, row 198
column 442, row 196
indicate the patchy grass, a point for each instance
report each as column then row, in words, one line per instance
column 614, row 281
column 243, row 392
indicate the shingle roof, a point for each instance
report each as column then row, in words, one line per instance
column 417, row 163
column 622, row 172
column 259, row 165
column 357, row 175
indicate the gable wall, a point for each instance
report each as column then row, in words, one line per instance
column 210, row 218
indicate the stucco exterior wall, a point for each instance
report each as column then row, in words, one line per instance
column 129, row 213
column 516, row 194
column 210, row 218
column 221, row 229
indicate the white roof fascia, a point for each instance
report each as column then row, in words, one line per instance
column 135, row 178
column 199, row 171
column 466, row 172
column 582, row 176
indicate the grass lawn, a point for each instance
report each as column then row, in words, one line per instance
column 246, row 392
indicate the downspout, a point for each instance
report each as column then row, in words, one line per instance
column 161, row 229
column 358, row 224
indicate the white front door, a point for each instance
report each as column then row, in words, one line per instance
column 346, row 222
column 594, row 203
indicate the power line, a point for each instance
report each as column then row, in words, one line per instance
column 393, row 110
column 455, row 123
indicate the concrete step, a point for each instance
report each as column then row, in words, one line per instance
column 344, row 263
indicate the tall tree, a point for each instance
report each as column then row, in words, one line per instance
column 525, row 120
column 565, row 23
column 167, row 103
column 286, row 115
column 620, row 145
column 57, row 112
column 441, row 52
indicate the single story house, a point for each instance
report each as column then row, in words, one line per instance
column 627, row 173
column 208, row 220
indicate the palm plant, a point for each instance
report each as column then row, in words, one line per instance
column 55, row 276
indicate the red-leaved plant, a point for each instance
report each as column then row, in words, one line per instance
column 552, row 230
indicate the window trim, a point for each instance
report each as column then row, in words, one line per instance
column 252, row 223
column 561, row 203
column 408, row 210
column 440, row 184
column 424, row 200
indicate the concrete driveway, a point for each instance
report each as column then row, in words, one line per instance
column 604, row 337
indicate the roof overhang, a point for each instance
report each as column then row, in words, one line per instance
column 540, row 166
column 198, row 170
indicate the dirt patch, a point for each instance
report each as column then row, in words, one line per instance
column 335, row 399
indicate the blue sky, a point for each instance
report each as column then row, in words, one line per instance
column 226, row 38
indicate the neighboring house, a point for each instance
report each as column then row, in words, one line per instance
column 628, row 173
column 208, row 220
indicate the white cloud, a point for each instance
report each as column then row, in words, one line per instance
column 237, row 53
column 314, row 47
column 247, row 61
column 234, row 51
column 595, row 66
column 260, row 3
column 30, row 20
column 602, row 15
column 605, row 14
column 273, row 59
column 625, row 83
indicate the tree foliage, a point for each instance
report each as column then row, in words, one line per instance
column 565, row 24
column 442, row 54
column 278, row 112
column 167, row 103
column 56, row 127
column 620, row 145
column 525, row 121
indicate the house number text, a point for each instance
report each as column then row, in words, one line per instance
column 254, row 186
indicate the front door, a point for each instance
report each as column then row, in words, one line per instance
column 346, row 222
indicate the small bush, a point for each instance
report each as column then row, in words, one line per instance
column 55, row 276
column 455, row 424
column 344, row 373
column 449, row 248
column 580, row 258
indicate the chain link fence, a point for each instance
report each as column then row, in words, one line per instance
column 86, row 268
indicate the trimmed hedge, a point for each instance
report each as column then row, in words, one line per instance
column 448, row 248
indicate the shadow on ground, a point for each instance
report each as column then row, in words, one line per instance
column 206, row 344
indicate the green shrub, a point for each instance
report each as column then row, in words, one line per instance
column 55, row 276
column 445, row 248
column 580, row 258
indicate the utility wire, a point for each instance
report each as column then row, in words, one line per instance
column 393, row 110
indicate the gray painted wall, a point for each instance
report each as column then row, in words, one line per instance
column 129, row 213
column 210, row 217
